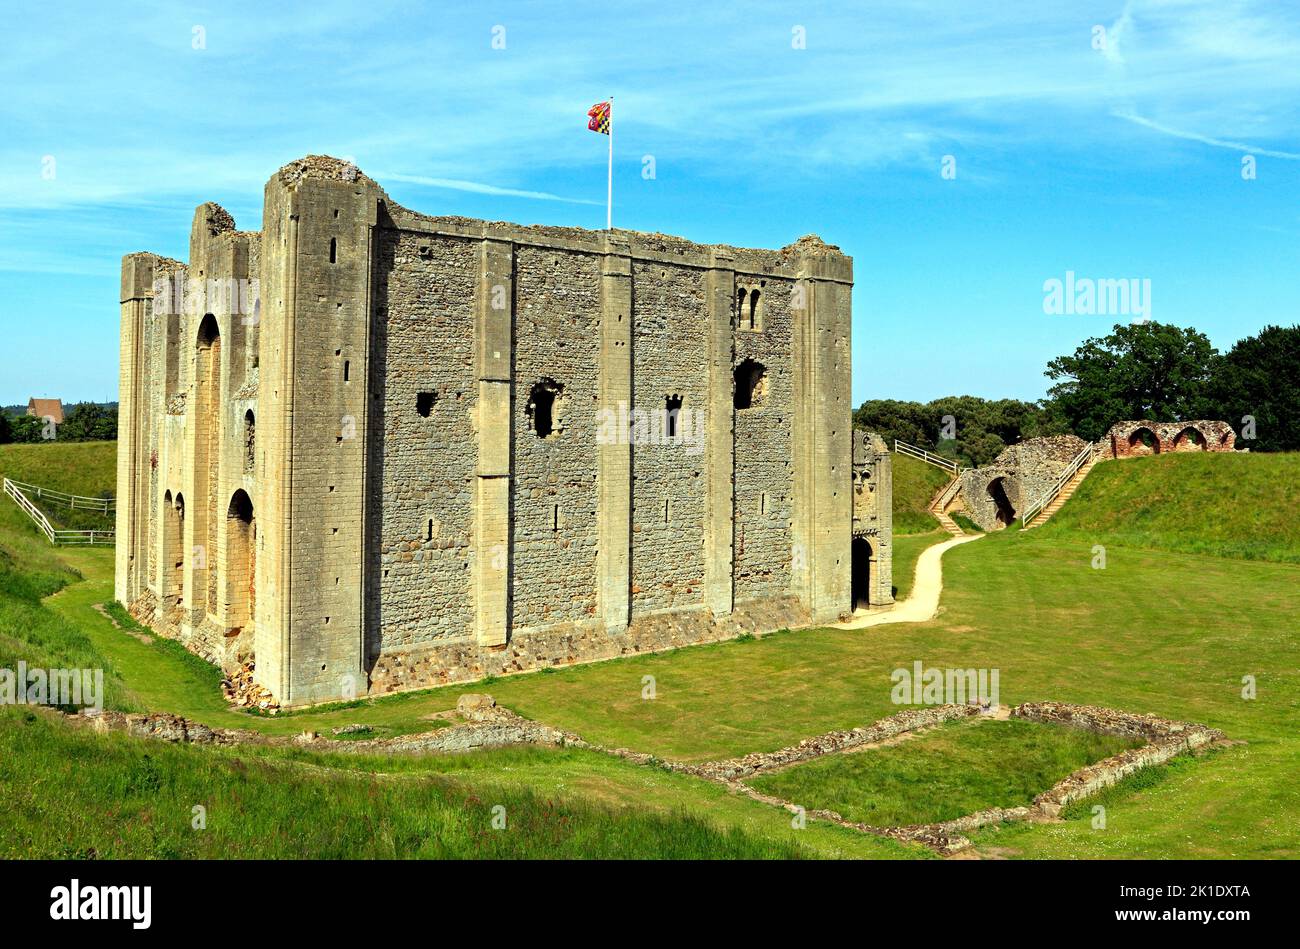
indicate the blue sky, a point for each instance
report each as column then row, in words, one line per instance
column 1122, row 162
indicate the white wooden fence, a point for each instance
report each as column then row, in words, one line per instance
column 21, row 492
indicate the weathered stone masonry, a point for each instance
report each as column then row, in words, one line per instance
column 440, row 448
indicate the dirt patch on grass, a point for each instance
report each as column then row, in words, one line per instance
column 102, row 610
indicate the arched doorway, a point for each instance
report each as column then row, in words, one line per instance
column 241, row 536
column 860, row 584
column 1190, row 439
column 1005, row 511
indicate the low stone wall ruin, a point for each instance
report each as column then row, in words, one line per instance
column 484, row 724
column 1165, row 739
column 1026, row 470
column 1134, row 439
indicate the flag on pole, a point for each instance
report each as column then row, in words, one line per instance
column 599, row 121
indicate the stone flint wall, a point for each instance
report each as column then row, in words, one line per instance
column 1138, row 438
column 412, row 522
column 1027, row 471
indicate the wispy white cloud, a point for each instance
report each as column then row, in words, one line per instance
column 457, row 184
column 1206, row 139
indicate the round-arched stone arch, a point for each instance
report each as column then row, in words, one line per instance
column 1004, row 510
column 238, row 599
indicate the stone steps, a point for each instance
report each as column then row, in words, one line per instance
column 1064, row 495
column 936, row 508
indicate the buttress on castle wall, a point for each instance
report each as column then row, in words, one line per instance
column 379, row 450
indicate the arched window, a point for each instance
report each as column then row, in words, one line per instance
column 250, row 441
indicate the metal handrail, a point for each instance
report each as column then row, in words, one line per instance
column 1034, row 509
column 903, row 448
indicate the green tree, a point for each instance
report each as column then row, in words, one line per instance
column 6, row 431
column 1154, row 371
column 979, row 428
column 87, row 421
column 27, row 428
column 1259, row 378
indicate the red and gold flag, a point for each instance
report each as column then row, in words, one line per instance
column 599, row 118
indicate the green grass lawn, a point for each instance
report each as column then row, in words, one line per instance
column 1158, row 630
column 1237, row 505
column 78, row 795
column 907, row 549
column 956, row 769
column 965, row 523
column 915, row 484
column 86, row 468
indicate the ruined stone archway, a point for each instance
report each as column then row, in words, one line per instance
column 240, row 581
column 1141, row 437
column 1190, row 439
column 1006, row 512
column 860, row 583
column 173, row 547
column 1143, row 441
column 176, row 561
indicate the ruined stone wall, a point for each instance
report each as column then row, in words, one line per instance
column 423, row 343
column 1026, row 471
column 1134, row 439
column 189, row 445
column 873, row 511
column 554, row 502
column 407, row 519
column 669, row 478
column 764, row 448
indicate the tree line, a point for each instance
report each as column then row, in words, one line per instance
column 1153, row 371
column 83, row 422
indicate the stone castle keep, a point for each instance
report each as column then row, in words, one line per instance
column 407, row 450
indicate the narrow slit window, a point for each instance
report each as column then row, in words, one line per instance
column 555, row 518
column 334, row 250
column 347, row 370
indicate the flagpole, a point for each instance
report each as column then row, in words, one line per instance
column 609, row 197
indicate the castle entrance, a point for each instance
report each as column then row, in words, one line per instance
column 860, row 584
